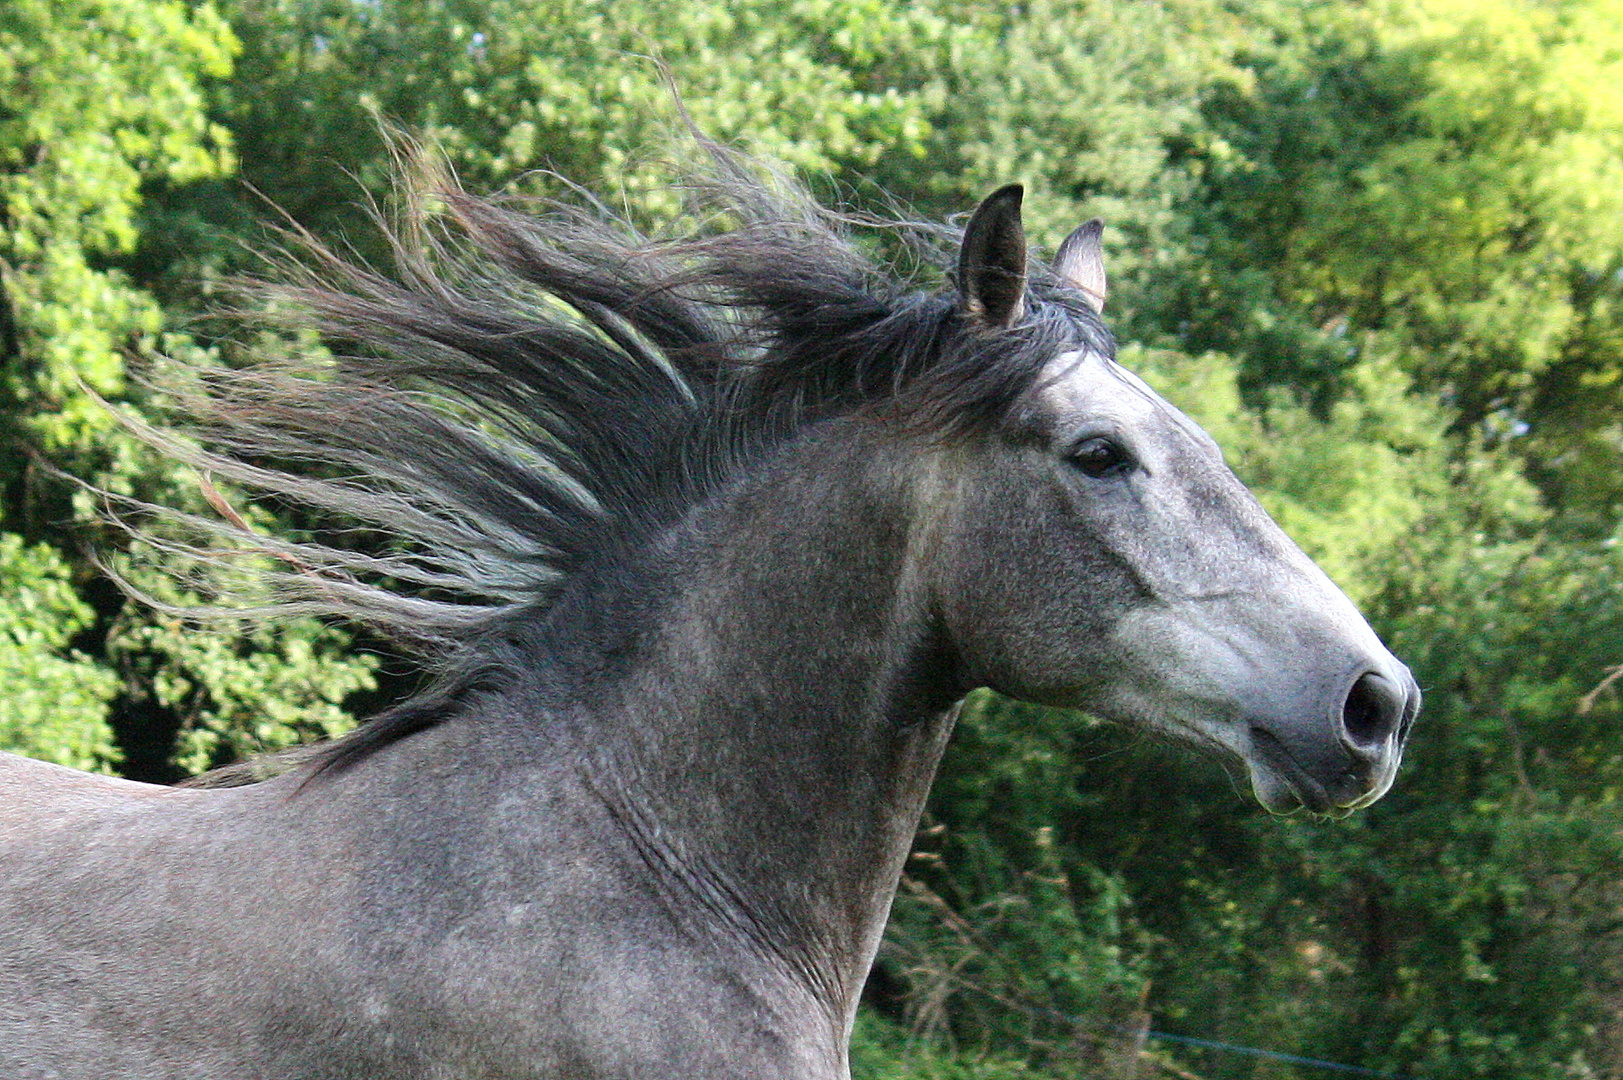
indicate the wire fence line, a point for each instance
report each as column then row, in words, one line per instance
column 1275, row 1055
column 1141, row 1033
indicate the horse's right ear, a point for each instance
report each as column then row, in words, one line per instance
column 992, row 262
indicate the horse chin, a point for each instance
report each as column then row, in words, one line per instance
column 1282, row 798
column 1284, row 788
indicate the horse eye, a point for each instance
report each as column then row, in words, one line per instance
column 1099, row 457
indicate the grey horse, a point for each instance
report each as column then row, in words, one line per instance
column 703, row 538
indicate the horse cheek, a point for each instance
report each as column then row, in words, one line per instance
column 1031, row 593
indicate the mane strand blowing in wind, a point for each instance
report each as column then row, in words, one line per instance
column 533, row 390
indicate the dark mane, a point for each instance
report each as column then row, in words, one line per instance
column 528, row 391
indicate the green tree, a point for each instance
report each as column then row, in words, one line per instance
column 100, row 97
column 55, row 708
column 1437, row 182
column 104, row 100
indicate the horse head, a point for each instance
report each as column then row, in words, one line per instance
column 1096, row 552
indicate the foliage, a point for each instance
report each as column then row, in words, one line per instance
column 56, row 705
column 105, row 100
column 1002, row 936
column 881, row 1050
column 1437, row 182
column 77, row 141
column 1376, row 248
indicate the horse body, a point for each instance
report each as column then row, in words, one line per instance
column 663, row 840
column 187, row 937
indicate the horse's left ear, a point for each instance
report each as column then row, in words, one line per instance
column 1080, row 262
column 992, row 262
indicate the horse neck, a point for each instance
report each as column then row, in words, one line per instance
column 775, row 736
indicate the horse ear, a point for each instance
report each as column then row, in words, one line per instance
column 1080, row 262
column 992, row 262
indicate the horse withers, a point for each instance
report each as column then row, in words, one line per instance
column 704, row 538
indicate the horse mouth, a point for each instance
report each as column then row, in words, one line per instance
column 1283, row 786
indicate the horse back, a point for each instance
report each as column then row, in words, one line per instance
column 37, row 795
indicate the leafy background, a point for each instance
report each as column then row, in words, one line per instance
column 1376, row 247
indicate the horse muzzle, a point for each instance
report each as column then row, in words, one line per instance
column 1338, row 763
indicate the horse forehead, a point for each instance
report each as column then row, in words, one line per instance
column 1086, row 385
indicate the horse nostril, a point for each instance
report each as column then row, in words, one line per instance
column 1371, row 712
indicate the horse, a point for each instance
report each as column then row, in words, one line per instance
column 702, row 536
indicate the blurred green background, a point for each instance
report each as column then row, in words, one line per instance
column 1375, row 246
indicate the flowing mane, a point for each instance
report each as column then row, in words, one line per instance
column 530, row 392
